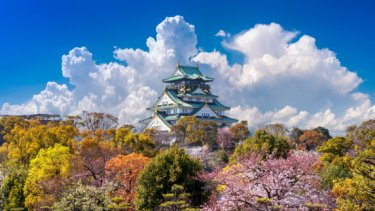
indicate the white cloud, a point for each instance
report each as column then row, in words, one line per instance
column 283, row 78
column 278, row 71
column 175, row 42
column 55, row 98
column 136, row 103
column 221, row 33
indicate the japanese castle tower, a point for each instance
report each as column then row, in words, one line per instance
column 186, row 93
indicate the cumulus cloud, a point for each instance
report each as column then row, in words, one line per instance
column 279, row 73
column 175, row 42
column 284, row 77
column 122, row 90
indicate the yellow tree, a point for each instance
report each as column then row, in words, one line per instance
column 22, row 144
column 139, row 143
column 358, row 192
column 47, row 175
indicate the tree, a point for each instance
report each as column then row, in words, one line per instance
column 334, row 147
column 338, row 169
column 47, row 175
column 90, row 161
column 170, row 167
column 208, row 131
column 357, row 193
column 263, row 143
column 124, row 171
column 273, row 184
column 294, row 135
column 92, row 121
column 145, row 144
column 276, row 129
column 11, row 190
column 239, row 132
column 192, row 131
column 7, row 123
column 336, row 162
column 224, row 138
column 362, row 135
column 177, row 200
column 85, row 197
column 323, row 131
column 310, row 140
column 139, row 143
column 23, row 141
column 22, row 144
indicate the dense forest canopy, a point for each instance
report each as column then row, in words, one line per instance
column 89, row 162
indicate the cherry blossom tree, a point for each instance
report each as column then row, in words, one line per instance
column 253, row 184
column 224, row 138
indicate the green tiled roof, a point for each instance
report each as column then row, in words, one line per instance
column 218, row 105
column 172, row 117
column 174, row 97
column 192, row 73
column 223, row 119
column 164, row 120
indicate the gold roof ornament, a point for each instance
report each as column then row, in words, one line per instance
column 155, row 109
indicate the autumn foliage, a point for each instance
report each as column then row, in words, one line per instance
column 124, row 171
column 90, row 162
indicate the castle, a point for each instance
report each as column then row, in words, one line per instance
column 186, row 93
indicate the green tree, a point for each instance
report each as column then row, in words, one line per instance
column 264, row 143
column 192, row 131
column 170, row 167
column 339, row 168
column 12, row 187
column 47, row 175
column 323, row 131
column 177, row 200
column 336, row 162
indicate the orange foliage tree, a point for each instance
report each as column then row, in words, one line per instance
column 124, row 171
column 310, row 140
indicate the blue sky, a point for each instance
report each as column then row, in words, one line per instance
column 35, row 34
column 303, row 64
